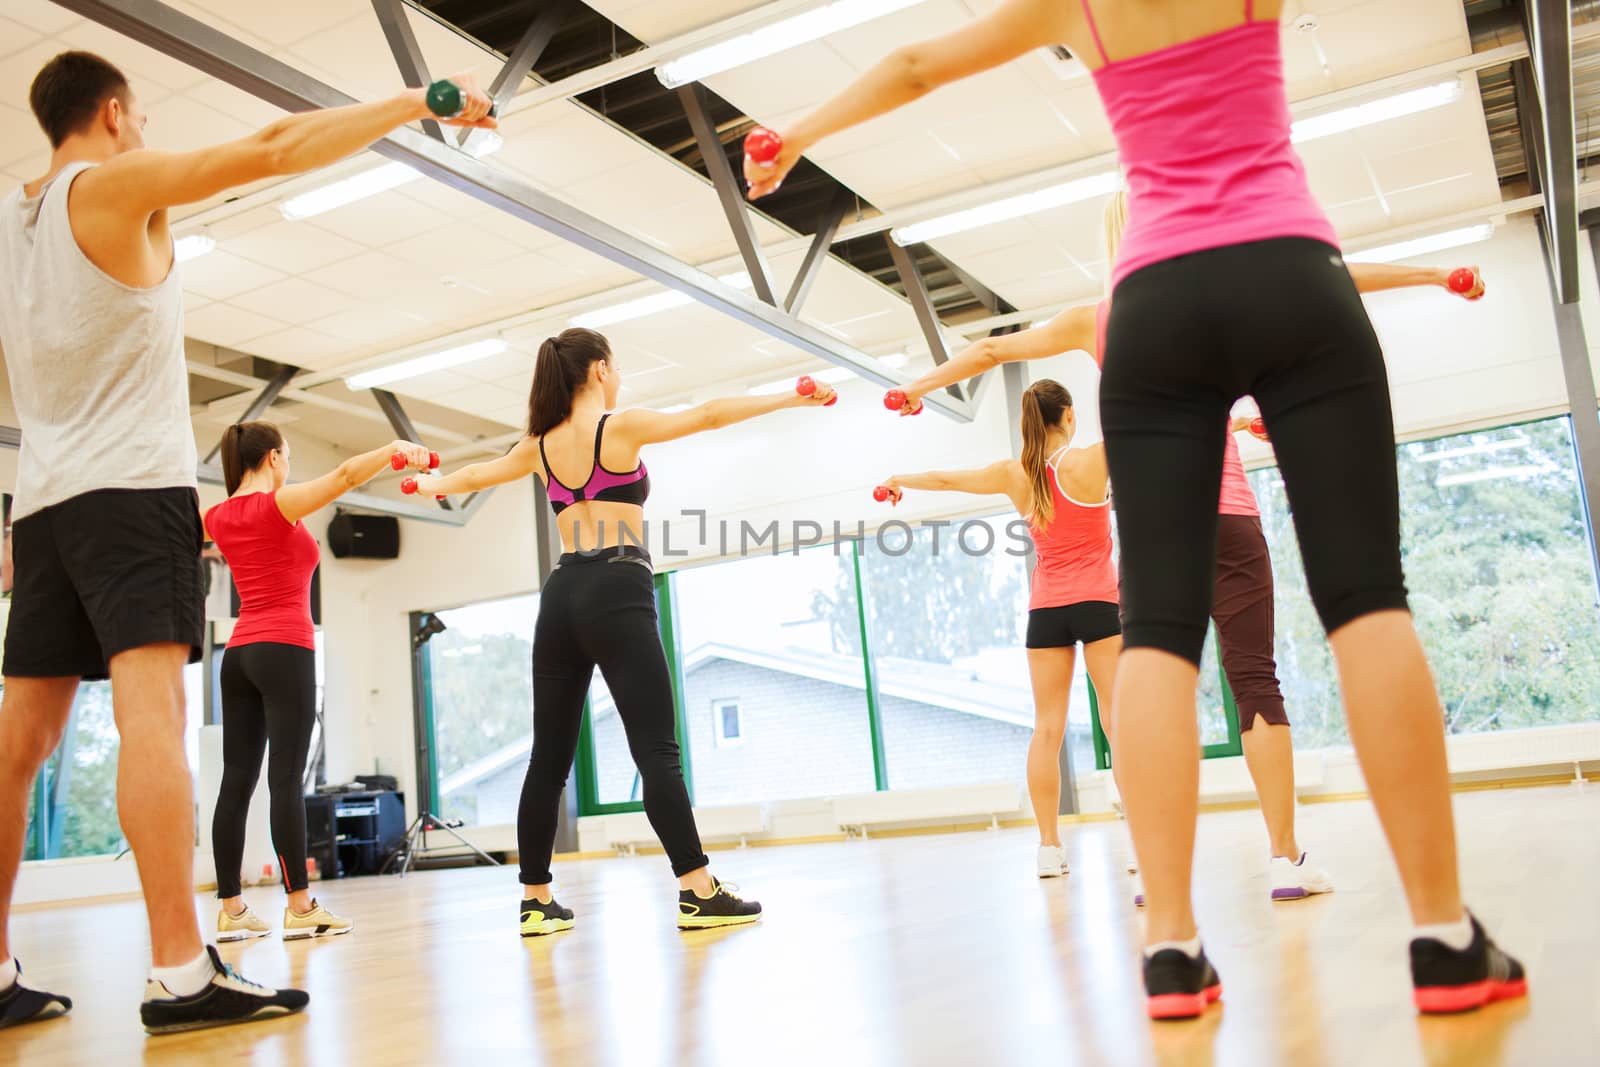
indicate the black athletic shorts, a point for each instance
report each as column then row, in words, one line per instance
column 1087, row 621
column 103, row 573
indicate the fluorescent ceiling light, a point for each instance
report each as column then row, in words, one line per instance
column 1494, row 474
column 450, row 357
column 372, row 182
column 1011, row 207
column 780, row 36
column 673, row 409
column 895, row 360
column 832, row 377
column 1473, row 450
column 192, row 247
column 1372, row 112
column 1421, row 246
column 647, row 305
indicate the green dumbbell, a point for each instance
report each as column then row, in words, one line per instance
column 444, row 100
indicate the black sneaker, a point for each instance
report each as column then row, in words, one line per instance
column 540, row 918
column 1178, row 985
column 226, row 999
column 1446, row 981
column 722, row 909
column 19, row 1004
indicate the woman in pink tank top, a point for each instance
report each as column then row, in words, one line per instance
column 1229, row 282
column 1061, row 492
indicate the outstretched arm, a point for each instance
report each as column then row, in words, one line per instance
column 1375, row 277
column 1010, row 30
column 997, row 479
column 297, row 501
column 1071, row 330
column 513, row 466
column 641, row 426
column 143, row 182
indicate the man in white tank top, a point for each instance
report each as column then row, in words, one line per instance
column 107, row 528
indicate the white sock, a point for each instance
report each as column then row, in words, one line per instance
column 8, row 973
column 1458, row 935
column 186, row 979
column 1190, row 948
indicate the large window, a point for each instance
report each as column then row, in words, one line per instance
column 779, row 637
column 947, row 613
column 1500, row 581
column 480, row 678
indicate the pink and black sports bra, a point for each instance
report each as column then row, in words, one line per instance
column 1203, row 129
column 609, row 486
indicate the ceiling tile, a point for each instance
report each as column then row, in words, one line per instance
column 14, row 37
column 221, row 275
column 293, row 247
column 298, row 347
column 224, row 324
column 41, row 16
column 383, row 219
column 294, row 300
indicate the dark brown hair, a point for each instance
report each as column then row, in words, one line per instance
column 562, row 368
column 1043, row 405
column 69, row 91
column 244, row 446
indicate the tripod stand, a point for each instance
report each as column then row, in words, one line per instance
column 406, row 854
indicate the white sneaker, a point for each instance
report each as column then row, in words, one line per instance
column 1294, row 879
column 1052, row 861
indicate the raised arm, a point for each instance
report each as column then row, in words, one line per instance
column 1004, row 478
column 297, row 501
column 641, row 426
column 143, row 182
column 515, row 465
column 1069, row 331
column 1375, row 277
column 1012, row 29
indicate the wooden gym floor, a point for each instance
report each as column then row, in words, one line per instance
column 925, row 950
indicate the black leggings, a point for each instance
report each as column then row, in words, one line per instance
column 601, row 611
column 1279, row 320
column 269, row 694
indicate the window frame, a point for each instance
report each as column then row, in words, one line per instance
column 719, row 722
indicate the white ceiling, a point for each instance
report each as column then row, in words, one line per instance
column 424, row 262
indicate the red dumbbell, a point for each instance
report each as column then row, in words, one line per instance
column 408, row 486
column 1258, row 426
column 398, row 461
column 762, row 145
column 806, row 386
column 1463, row 280
column 881, row 493
column 895, row 400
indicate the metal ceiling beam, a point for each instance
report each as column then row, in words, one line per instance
column 522, row 58
column 729, row 191
column 261, row 403
column 407, row 52
column 817, row 254
column 1550, row 32
column 182, row 37
column 395, row 412
column 927, row 318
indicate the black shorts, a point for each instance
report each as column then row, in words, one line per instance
column 1087, row 621
column 103, row 573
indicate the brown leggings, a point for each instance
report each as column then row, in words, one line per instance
column 1241, row 606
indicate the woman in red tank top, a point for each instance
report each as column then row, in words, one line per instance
column 1061, row 492
column 268, row 676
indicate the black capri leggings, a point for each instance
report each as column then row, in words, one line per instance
column 1279, row 320
column 269, row 696
column 600, row 610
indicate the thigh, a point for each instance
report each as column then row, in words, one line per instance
column 562, row 672
column 286, row 678
column 1050, row 673
column 134, row 557
column 244, row 721
column 1323, row 390
column 625, row 640
column 49, row 634
column 1164, row 405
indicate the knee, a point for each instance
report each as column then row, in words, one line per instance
column 25, row 748
column 1048, row 735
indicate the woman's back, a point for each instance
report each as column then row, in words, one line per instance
column 596, row 483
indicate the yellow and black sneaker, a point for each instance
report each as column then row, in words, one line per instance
column 722, row 908
column 549, row 918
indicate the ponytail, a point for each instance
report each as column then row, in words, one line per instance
column 244, row 446
column 1043, row 405
column 1116, row 219
column 562, row 369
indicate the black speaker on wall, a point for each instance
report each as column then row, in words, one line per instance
column 353, row 536
column 316, row 597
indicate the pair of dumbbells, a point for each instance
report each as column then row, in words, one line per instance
column 408, row 486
